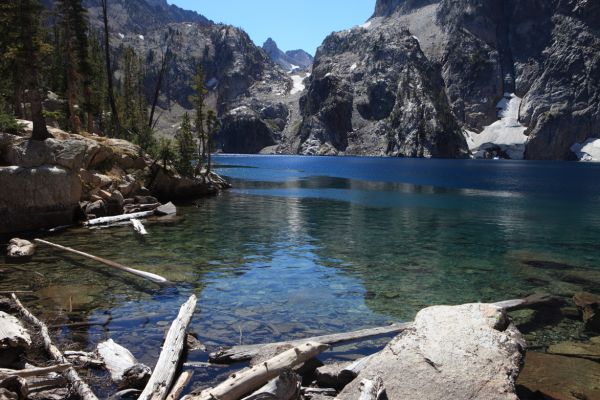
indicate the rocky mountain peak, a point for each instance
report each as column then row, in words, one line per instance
column 293, row 60
column 384, row 8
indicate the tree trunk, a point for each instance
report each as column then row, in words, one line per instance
column 28, row 27
column 72, row 86
column 109, row 75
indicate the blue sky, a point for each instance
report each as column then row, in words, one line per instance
column 299, row 24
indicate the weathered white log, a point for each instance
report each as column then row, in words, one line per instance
column 179, row 385
column 117, row 359
column 371, row 389
column 285, row 387
column 82, row 389
column 250, row 379
column 166, row 366
column 29, row 372
column 312, row 391
column 246, row 352
column 139, row 227
column 118, row 218
column 203, row 365
column 20, row 248
column 148, row 275
column 12, row 333
column 535, row 300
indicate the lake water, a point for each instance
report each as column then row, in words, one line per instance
column 304, row 246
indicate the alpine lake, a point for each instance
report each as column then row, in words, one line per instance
column 302, row 246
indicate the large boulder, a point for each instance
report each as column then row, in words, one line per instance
column 244, row 132
column 69, row 151
column 167, row 185
column 462, row 352
column 35, row 198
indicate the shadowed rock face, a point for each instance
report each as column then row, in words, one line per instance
column 545, row 52
column 373, row 92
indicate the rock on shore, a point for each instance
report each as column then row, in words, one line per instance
column 453, row 352
column 50, row 183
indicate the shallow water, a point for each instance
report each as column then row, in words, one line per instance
column 304, row 246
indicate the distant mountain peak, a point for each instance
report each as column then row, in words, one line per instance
column 291, row 61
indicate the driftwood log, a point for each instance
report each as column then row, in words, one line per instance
column 250, row 379
column 371, row 389
column 285, row 387
column 139, row 227
column 80, row 387
column 247, row 352
column 29, row 372
column 164, row 372
column 147, row 275
column 124, row 369
column 179, row 385
column 119, row 218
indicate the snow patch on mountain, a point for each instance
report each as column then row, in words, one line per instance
column 507, row 134
column 587, row 151
column 298, row 81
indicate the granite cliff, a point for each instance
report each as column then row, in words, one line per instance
column 519, row 78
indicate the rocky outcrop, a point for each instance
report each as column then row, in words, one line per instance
column 461, row 352
column 543, row 52
column 58, row 181
column 37, row 197
column 292, row 61
column 373, row 92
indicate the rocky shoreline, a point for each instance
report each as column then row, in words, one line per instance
column 470, row 351
column 70, row 178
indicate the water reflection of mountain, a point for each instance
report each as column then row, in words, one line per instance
column 414, row 246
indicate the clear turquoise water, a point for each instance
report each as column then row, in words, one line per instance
column 304, row 246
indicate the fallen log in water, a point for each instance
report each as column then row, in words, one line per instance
column 164, row 372
column 250, row 379
column 139, row 227
column 124, row 369
column 532, row 301
column 247, row 352
column 148, row 275
column 82, row 389
column 119, row 218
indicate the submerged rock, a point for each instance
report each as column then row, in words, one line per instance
column 559, row 377
column 589, row 306
column 462, row 352
column 589, row 350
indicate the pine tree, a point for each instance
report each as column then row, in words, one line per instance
column 25, row 48
column 198, row 100
column 109, row 74
column 186, row 147
column 73, row 21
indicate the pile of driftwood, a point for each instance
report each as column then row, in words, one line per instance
column 283, row 370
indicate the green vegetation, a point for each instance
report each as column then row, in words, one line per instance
column 186, row 146
column 9, row 124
